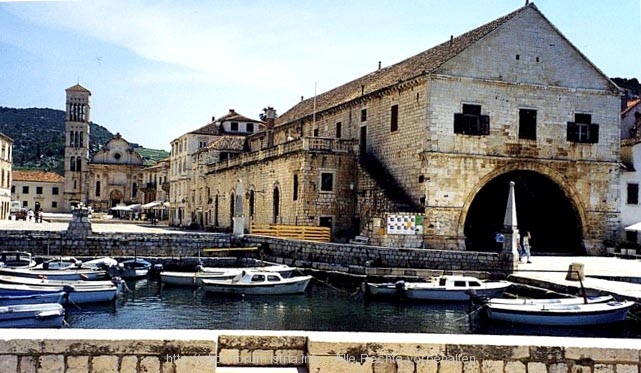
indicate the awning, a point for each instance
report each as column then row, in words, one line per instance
column 126, row 208
column 634, row 227
column 151, row 204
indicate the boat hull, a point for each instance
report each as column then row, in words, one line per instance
column 55, row 274
column 75, row 294
column 560, row 315
column 35, row 298
column 192, row 279
column 43, row 315
column 452, row 295
column 297, row 286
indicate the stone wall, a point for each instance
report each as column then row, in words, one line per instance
column 354, row 258
column 181, row 351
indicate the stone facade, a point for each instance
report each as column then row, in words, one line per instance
column 152, row 351
column 6, row 160
column 510, row 98
column 38, row 190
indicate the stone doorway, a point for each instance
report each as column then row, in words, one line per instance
column 542, row 207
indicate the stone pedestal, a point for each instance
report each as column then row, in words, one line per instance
column 80, row 226
column 575, row 272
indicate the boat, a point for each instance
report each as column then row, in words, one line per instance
column 549, row 301
column 454, row 288
column 56, row 274
column 194, row 279
column 258, row 282
column 17, row 280
column 134, row 268
column 33, row 298
column 383, row 290
column 16, row 259
column 559, row 314
column 103, row 263
column 43, row 315
column 75, row 294
column 61, row 262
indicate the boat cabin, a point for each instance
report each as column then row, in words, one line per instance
column 16, row 259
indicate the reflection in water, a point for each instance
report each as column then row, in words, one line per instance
column 145, row 306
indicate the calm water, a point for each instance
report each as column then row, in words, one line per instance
column 320, row 309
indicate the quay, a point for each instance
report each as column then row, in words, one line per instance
column 178, row 351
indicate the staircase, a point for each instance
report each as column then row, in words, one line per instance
column 396, row 196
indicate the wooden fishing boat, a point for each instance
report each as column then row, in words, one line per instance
column 258, row 282
column 43, row 315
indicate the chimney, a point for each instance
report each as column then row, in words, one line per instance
column 232, row 111
column 451, row 39
column 270, row 116
column 379, row 65
column 213, row 119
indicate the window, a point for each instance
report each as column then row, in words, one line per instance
column 72, row 164
column 633, row 194
column 582, row 130
column 250, row 127
column 315, row 132
column 527, row 124
column 363, row 115
column 54, row 205
column 234, row 126
column 39, row 190
column 339, row 126
column 258, row 278
column 273, row 278
column 202, row 144
column 134, row 191
column 55, row 191
column 25, row 189
column 471, row 122
column 97, row 188
column 13, row 189
column 295, row 194
column 631, row 236
column 327, row 182
column 78, row 164
column 394, row 118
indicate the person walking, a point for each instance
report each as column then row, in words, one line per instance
column 526, row 246
column 30, row 214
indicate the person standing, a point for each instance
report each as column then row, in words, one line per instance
column 30, row 214
column 499, row 238
column 526, row 246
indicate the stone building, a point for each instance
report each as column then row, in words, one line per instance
column 110, row 177
column 36, row 190
column 6, row 160
column 184, row 185
column 432, row 142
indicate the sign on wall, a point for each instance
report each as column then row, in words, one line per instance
column 404, row 224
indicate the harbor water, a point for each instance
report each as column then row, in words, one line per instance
column 146, row 305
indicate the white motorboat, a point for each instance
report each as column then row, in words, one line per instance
column 56, row 283
column 454, row 288
column 43, row 315
column 559, row 314
column 16, row 259
column 284, row 270
column 194, row 279
column 258, row 282
column 55, row 274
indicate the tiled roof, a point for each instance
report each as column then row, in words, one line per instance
column 209, row 129
column 631, row 104
column 423, row 63
column 37, row 176
column 78, row 88
column 233, row 115
column 228, row 143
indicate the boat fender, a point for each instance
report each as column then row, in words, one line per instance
column 84, row 276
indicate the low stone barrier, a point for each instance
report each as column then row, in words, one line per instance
column 181, row 351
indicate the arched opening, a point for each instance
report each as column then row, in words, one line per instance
column 115, row 198
column 231, row 209
column 542, row 208
column 276, row 205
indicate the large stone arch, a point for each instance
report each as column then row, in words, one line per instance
column 116, row 197
column 549, row 204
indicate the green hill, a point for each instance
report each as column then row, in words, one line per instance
column 38, row 136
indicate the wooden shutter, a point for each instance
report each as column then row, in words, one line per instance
column 485, row 125
column 593, row 133
column 572, row 132
column 458, row 122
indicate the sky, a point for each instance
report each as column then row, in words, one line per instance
column 159, row 69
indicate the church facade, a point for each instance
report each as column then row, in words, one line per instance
column 112, row 176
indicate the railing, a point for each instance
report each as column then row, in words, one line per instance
column 308, row 233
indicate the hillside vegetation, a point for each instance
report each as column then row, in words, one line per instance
column 38, row 136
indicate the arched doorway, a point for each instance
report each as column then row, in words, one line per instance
column 542, row 207
column 115, row 198
column 276, row 209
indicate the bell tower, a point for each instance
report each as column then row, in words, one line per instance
column 76, row 146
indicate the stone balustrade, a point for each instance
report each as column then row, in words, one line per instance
column 181, row 351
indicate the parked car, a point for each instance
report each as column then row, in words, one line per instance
column 20, row 214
